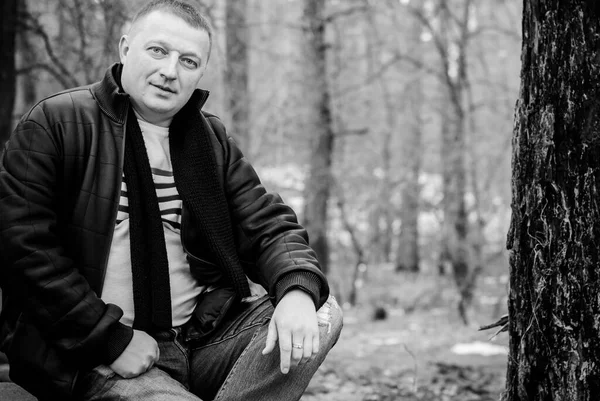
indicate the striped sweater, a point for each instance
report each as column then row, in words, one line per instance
column 185, row 289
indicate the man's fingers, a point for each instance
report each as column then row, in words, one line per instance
column 285, row 349
column 297, row 348
column 271, row 338
column 308, row 350
column 315, row 345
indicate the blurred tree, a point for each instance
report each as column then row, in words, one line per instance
column 317, row 98
column 236, row 71
column 28, row 56
column 454, row 149
column 451, row 42
column 76, row 40
column 383, row 211
column 8, row 22
column 442, row 44
column 407, row 256
column 554, row 236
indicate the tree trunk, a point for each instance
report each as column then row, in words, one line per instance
column 554, row 235
column 318, row 183
column 360, row 266
column 115, row 16
column 8, row 24
column 447, row 236
column 236, row 71
column 408, row 247
column 445, row 255
column 407, row 258
column 456, row 225
column 28, row 56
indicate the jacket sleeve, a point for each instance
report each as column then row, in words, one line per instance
column 35, row 271
column 284, row 259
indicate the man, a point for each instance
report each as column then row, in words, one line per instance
column 129, row 222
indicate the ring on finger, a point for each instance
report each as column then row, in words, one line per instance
column 297, row 346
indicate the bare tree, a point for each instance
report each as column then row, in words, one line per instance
column 83, row 45
column 554, row 234
column 407, row 258
column 451, row 41
column 8, row 22
column 360, row 265
column 27, row 55
column 236, row 70
column 320, row 128
column 383, row 214
column 456, row 156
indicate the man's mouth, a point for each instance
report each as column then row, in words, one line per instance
column 164, row 88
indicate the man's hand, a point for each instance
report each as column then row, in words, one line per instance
column 294, row 325
column 138, row 357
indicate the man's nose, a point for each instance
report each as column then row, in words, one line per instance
column 169, row 67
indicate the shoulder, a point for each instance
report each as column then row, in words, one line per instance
column 217, row 128
column 215, row 123
column 60, row 107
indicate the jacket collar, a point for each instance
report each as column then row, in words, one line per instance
column 115, row 102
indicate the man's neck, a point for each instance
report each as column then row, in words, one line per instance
column 161, row 123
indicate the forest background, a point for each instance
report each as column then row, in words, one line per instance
column 386, row 124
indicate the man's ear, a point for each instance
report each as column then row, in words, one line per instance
column 123, row 48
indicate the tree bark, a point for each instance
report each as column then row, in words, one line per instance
column 28, row 81
column 456, row 224
column 236, row 71
column 320, row 127
column 382, row 214
column 408, row 247
column 408, row 258
column 447, row 235
column 8, row 24
column 554, row 235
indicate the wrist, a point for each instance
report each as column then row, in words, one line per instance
column 305, row 281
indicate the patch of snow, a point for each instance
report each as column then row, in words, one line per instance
column 479, row 348
column 385, row 341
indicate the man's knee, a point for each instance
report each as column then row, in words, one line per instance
column 331, row 321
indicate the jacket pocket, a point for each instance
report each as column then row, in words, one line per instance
column 210, row 311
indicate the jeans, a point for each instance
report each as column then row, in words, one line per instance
column 228, row 365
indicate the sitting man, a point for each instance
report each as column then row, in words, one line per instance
column 129, row 224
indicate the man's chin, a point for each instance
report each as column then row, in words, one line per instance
column 160, row 108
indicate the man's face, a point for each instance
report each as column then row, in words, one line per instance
column 163, row 60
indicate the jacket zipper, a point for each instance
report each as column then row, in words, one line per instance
column 116, row 207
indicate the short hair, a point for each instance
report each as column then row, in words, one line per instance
column 182, row 9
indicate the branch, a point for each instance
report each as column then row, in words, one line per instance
column 358, row 247
column 78, row 15
column 64, row 72
column 344, row 13
column 398, row 57
column 45, row 67
column 496, row 29
column 350, row 132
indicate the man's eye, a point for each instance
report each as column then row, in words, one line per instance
column 157, row 50
column 190, row 63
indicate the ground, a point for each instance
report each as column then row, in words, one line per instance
column 412, row 354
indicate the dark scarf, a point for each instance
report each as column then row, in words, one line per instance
column 149, row 263
column 197, row 181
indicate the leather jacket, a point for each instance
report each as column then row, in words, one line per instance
column 60, row 179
